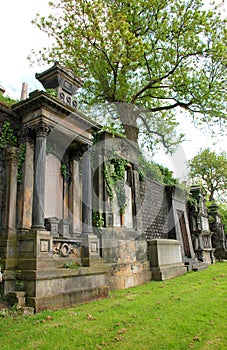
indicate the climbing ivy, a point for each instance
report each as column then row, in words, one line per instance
column 114, row 173
column 7, row 136
column 63, row 170
column 110, row 129
column 97, row 219
column 21, row 159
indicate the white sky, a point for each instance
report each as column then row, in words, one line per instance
column 19, row 36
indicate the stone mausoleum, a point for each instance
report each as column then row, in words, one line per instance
column 65, row 238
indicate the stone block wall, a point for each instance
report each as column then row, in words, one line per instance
column 2, row 185
column 154, row 206
column 6, row 115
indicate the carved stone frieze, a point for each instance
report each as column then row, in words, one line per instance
column 65, row 249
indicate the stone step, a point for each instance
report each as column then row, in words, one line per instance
column 196, row 265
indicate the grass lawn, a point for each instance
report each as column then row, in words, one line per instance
column 188, row 312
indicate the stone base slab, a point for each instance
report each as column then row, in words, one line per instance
column 68, row 299
column 167, row 272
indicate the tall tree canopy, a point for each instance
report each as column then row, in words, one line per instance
column 211, row 169
column 155, row 57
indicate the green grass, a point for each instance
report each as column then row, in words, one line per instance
column 188, row 312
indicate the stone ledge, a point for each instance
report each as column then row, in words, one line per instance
column 68, row 299
column 63, row 272
column 167, row 272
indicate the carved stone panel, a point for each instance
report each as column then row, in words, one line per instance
column 53, row 187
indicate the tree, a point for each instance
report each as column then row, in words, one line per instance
column 145, row 61
column 223, row 213
column 211, row 169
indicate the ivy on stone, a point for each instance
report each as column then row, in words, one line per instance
column 114, row 173
column 98, row 220
column 22, row 155
column 7, row 136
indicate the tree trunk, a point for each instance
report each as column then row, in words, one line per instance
column 128, row 117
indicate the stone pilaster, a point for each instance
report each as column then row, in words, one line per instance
column 8, row 244
column 86, row 194
column 137, row 202
column 75, row 198
column 25, row 201
column 90, row 242
column 9, row 220
column 41, row 131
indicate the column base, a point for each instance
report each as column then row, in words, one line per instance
column 90, row 250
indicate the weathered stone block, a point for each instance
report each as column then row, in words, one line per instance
column 165, row 259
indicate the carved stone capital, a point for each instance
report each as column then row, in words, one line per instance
column 42, row 129
column 12, row 154
column 27, row 135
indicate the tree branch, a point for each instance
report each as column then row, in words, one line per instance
column 165, row 144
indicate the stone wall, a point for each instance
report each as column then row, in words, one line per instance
column 6, row 115
column 2, row 185
column 154, row 206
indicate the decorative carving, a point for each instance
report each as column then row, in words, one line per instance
column 12, row 155
column 41, row 129
column 64, row 249
column 27, row 134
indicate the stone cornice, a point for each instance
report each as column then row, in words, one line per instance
column 40, row 99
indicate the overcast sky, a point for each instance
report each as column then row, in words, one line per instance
column 19, row 37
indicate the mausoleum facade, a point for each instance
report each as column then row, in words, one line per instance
column 65, row 236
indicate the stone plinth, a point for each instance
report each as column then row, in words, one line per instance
column 122, row 276
column 165, row 259
column 64, row 287
column 89, row 250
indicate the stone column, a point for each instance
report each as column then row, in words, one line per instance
column 137, row 202
column 90, row 242
column 8, row 243
column 41, row 131
column 12, row 154
column 75, row 198
column 86, row 194
column 27, row 182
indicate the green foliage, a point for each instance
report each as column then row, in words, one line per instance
column 7, row 136
column 211, row 169
column 21, row 159
column 98, row 220
column 134, row 318
column 52, row 92
column 6, row 101
column 149, row 169
column 114, row 173
column 71, row 265
column 111, row 128
column 160, row 58
column 167, row 176
column 157, row 172
column 63, row 170
column 223, row 213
